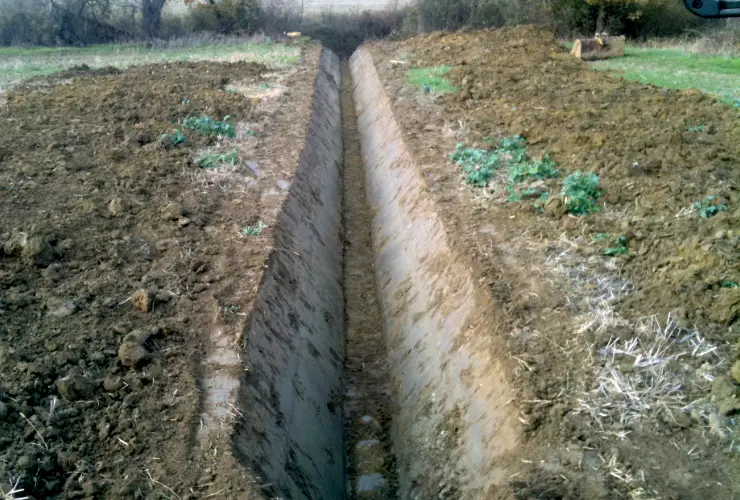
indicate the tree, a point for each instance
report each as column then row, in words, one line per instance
column 601, row 19
column 151, row 16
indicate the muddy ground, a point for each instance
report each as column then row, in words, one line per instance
column 119, row 258
column 624, row 363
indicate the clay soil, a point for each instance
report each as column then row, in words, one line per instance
column 596, row 425
column 368, row 406
column 109, row 233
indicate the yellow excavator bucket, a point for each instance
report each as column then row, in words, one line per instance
column 599, row 47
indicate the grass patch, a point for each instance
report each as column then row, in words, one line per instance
column 255, row 230
column 20, row 63
column 212, row 160
column 208, row 126
column 431, row 80
column 678, row 69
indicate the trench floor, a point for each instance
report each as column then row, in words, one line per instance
column 371, row 464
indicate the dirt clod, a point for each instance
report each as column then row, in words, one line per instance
column 75, row 387
column 61, row 308
column 173, row 211
column 112, row 383
column 736, row 371
column 38, row 251
column 132, row 352
column 142, row 300
column 14, row 245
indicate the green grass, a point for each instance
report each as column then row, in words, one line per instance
column 20, row 63
column 208, row 126
column 212, row 160
column 255, row 230
column 677, row 69
column 431, row 79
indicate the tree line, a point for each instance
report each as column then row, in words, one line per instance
column 82, row 22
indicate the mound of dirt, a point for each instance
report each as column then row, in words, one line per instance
column 110, row 241
column 657, row 153
column 636, row 138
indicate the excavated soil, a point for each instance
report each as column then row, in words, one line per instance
column 568, row 309
column 109, row 233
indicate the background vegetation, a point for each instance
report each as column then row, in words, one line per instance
column 670, row 47
column 84, row 22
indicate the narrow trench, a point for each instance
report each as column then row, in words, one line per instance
column 371, row 465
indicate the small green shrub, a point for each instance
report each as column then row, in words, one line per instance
column 174, row 138
column 208, row 126
column 479, row 164
column 211, row 160
column 254, row 230
column 534, row 170
column 540, row 203
column 431, row 79
column 707, row 208
column 510, row 143
column 620, row 247
column 581, row 192
column 598, row 237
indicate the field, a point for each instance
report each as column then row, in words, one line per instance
column 678, row 69
column 138, row 207
column 17, row 64
column 462, row 265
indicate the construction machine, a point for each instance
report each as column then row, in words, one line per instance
column 602, row 46
column 713, row 8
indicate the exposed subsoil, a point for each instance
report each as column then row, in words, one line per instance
column 548, row 272
column 120, row 257
column 368, row 399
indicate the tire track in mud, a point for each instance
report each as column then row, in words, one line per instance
column 371, row 463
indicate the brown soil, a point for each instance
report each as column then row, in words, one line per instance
column 368, row 407
column 550, row 277
column 119, row 259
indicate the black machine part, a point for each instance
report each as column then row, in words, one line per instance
column 714, row 8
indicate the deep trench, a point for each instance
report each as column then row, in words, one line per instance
column 370, row 368
column 371, row 465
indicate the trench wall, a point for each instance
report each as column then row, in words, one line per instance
column 452, row 422
column 292, row 431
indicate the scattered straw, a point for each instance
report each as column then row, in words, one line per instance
column 13, row 492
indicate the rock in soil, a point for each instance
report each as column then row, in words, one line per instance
column 75, row 387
